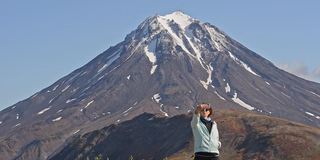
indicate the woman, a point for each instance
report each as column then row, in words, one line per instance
column 205, row 134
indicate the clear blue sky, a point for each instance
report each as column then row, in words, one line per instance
column 41, row 41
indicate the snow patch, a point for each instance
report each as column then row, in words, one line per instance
column 180, row 18
column 86, row 88
column 0, row 122
column 153, row 69
column 51, row 100
column 127, row 110
column 57, row 119
column 13, row 107
column 216, row 37
column 195, row 49
column 65, row 88
column 161, row 110
column 157, row 97
column 17, row 116
column 313, row 93
column 219, row 95
column 311, row 114
column 76, row 131
column 102, row 68
column 128, row 77
column 74, row 89
column 60, row 111
column 111, row 59
column 240, row 102
column 150, row 52
column 136, row 47
column 55, row 87
column 219, row 48
column 164, row 22
column 209, row 80
column 285, row 95
column 244, row 65
column 267, row 83
column 44, row 110
column 83, row 73
column 227, row 88
column 35, row 95
column 16, row 125
column 100, row 78
column 70, row 100
column 88, row 104
column 73, row 77
column 208, row 68
column 177, row 107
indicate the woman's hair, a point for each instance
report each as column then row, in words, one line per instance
column 211, row 111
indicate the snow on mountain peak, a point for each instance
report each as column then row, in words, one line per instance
column 180, row 18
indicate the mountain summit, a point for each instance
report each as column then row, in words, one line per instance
column 164, row 67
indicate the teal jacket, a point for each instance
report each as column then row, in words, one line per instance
column 203, row 140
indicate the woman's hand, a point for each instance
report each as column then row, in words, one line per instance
column 199, row 108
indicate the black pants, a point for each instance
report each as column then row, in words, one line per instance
column 206, row 156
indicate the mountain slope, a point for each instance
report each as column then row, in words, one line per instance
column 243, row 135
column 165, row 66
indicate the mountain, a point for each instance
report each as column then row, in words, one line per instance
column 165, row 66
column 244, row 135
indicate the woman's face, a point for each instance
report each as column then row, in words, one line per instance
column 205, row 111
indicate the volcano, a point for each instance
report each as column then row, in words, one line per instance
column 164, row 67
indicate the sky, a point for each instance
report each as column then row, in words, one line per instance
column 42, row 41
